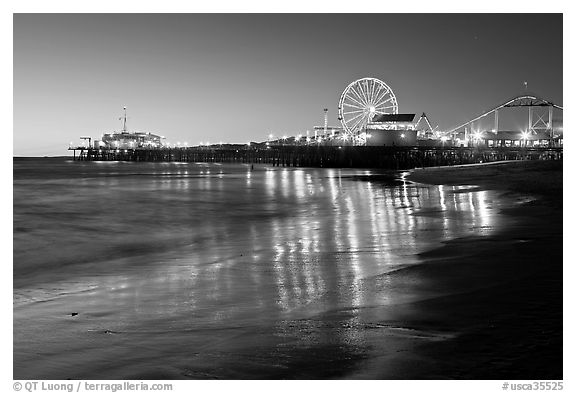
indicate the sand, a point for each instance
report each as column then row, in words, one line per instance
column 510, row 327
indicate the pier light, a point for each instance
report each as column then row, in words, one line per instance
column 402, row 136
column 525, row 135
column 478, row 135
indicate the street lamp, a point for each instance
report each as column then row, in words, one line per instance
column 525, row 136
column 443, row 138
column 477, row 137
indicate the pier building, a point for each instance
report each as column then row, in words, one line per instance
column 395, row 129
column 128, row 140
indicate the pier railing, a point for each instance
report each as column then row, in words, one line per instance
column 324, row 156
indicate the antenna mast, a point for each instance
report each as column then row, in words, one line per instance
column 124, row 130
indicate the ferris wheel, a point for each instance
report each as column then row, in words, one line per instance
column 363, row 99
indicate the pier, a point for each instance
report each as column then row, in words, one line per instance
column 385, row 157
column 370, row 137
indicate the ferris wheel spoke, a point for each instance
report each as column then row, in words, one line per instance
column 387, row 107
column 378, row 89
column 358, row 111
column 384, row 102
column 365, row 120
column 357, row 100
column 369, row 91
column 363, row 89
column 359, row 96
column 381, row 95
column 385, row 90
column 384, row 113
column 355, row 124
column 373, row 94
column 353, row 95
column 348, row 105
column 354, row 118
column 354, row 106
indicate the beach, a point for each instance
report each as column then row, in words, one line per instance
column 203, row 271
column 511, row 324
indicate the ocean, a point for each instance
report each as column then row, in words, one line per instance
column 127, row 270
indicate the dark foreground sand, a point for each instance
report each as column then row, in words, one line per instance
column 510, row 328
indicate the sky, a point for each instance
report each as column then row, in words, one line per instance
column 238, row 77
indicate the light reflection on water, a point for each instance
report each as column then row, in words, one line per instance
column 186, row 247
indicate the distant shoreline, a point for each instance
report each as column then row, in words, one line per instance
column 39, row 157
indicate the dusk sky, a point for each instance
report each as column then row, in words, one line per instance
column 238, row 77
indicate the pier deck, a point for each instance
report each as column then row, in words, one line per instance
column 323, row 156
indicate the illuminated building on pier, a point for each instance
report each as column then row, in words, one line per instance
column 129, row 140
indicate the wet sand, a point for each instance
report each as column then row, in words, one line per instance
column 508, row 325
